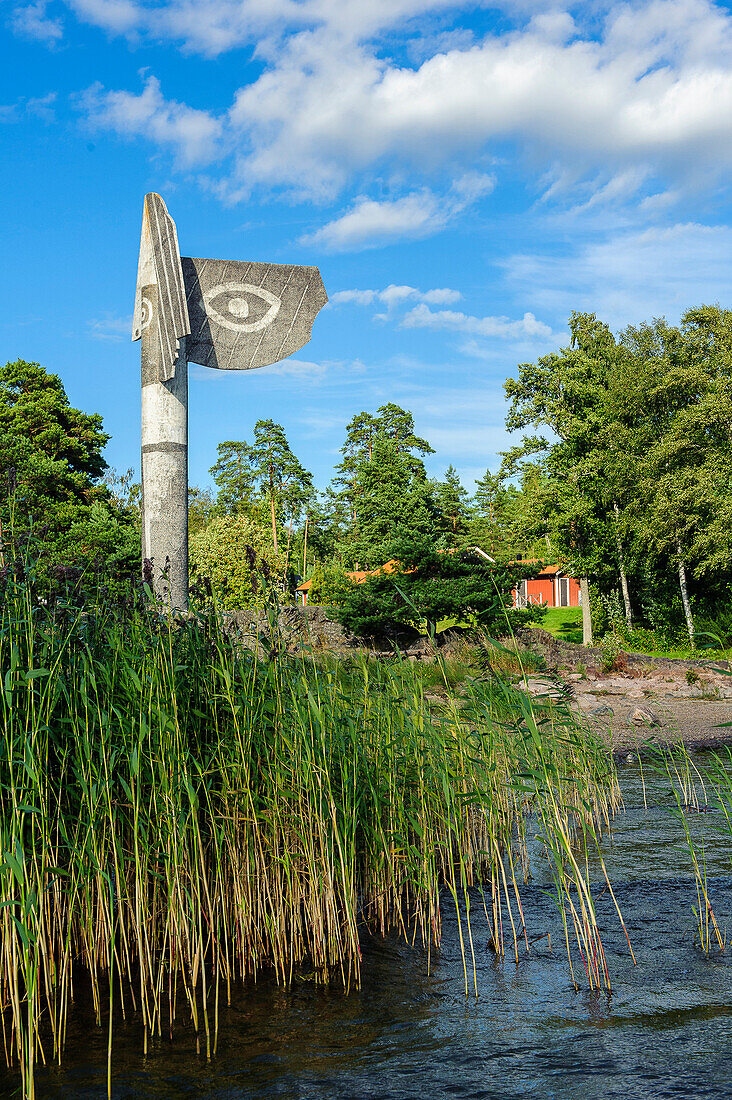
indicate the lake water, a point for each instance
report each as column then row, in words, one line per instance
column 664, row 1031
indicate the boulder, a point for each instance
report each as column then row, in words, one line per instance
column 643, row 717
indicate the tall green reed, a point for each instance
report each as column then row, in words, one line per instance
column 178, row 815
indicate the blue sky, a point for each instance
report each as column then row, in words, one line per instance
column 464, row 175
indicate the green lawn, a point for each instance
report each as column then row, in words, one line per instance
column 563, row 622
column 566, row 623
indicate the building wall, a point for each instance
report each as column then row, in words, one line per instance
column 574, row 592
column 546, row 590
column 541, row 590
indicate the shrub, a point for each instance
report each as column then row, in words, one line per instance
column 330, row 584
column 612, row 658
column 431, row 587
column 226, row 551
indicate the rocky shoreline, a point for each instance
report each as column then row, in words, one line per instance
column 653, row 700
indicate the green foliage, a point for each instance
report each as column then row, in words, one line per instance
column 493, row 525
column 431, row 586
column 637, row 479
column 612, row 657
column 365, row 433
column 395, row 503
column 234, row 476
column 51, row 457
column 330, row 584
column 201, row 509
column 451, row 502
column 265, row 473
column 226, row 552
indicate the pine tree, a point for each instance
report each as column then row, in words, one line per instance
column 234, row 476
column 452, row 503
column 394, row 502
column 391, row 423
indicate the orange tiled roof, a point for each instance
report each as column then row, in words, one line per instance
column 391, row 566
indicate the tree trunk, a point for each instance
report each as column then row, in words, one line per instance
column 586, row 612
column 289, row 539
column 621, row 566
column 274, row 523
column 685, row 593
column 305, row 547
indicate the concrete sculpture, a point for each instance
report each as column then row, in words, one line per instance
column 233, row 315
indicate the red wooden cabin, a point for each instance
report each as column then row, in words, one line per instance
column 551, row 586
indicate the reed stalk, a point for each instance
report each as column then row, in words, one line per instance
column 178, row 816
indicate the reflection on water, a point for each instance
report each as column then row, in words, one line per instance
column 666, row 1030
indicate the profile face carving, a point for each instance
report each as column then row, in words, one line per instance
column 245, row 315
column 235, row 314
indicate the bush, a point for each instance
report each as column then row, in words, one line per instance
column 645, row 640
column 330, row 584
column 226, row 551
column 612, row 658
column 432, row 586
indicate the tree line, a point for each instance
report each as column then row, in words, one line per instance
column 630, row 480
column 622, row 474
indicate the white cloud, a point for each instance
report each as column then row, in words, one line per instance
column 652, row 93
column 114, row 16
column 300, row 368
column 35, row 107
column 42, row 106
column 393, row 295
column 31, row 21
column 632, row 276
column 527, row 327
column 213, row 26
column 609, row 103
column 370, row 223
column 193, row 135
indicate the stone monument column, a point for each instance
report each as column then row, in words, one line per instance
column 228, row 314
column 164, row 461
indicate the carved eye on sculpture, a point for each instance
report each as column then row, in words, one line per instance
column 238, row 306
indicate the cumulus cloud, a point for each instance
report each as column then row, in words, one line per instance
column 393, row 295
column 637, row 100
column 422, row 316
column 654, row 91
column 32, row 21
column 193, row 135
column 370, row 223
column 114, row 16
column 214, row 26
